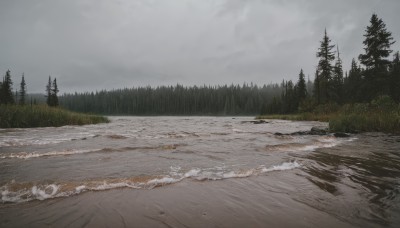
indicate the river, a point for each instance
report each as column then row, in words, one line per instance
column 197, row 172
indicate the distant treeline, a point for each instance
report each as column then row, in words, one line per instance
column 331, row 87
column 175, row 100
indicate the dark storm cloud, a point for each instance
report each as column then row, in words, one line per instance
column 92, row 45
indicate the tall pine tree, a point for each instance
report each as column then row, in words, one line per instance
column 48, row 93
column 377, row 45
column 54, row 92
column 22, row 91
column 6, row 89
column 317, row 91
column 377, row 48
column 337, row 80
column 326, row 56
column 301, row 87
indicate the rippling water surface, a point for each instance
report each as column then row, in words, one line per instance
column 218, row 169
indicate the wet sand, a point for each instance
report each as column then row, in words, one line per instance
column 265, row 201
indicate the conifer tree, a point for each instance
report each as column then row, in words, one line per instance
column 301, row 87
column 317, row 93
column 48, row 93
column 395, row 78
column 22, row 91
column 337, row 81
column 54, row 92
column 6, row 89
column 377, row 48
column 377, row 45
column 326, row 56
column 353, row 83
column 1, row 93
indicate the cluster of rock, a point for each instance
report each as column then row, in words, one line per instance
column 316, row 131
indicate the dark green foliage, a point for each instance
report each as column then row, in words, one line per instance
column 382, row 114
column 353, row 83
column 51, row 93
column 301, row 87
column 326, row 56
column 48, row 92
column 6, row 93
column 316, row 90
column 359, row 85
column 175, row 100
column 337, row 81
column 26, row 116
column 395, row 78
column 377, row 48
column 377, row 45
column 22, row 91
column 54, row 92
column 291, row 97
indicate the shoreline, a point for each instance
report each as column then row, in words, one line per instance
column 348, row 122
column 33, row 116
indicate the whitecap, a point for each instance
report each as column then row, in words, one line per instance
column 42, row 195
column 282, row 167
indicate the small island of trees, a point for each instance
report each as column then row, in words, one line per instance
column 16, row 113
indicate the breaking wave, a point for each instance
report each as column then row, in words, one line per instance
column 322, row 142
column 14, row 192
column 27, row 155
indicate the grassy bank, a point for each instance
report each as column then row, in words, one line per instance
column 307, row 116
column 381, row 115
column 15, row 116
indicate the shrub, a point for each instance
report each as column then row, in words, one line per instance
column 16, row 116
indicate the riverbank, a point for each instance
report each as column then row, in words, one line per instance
column 16, row 116
column 353, row 118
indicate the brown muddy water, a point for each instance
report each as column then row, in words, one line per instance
column 197, row 172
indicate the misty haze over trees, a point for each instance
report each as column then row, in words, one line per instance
column 331, row 85
column 378, row 75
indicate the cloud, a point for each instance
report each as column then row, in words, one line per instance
column 91, row 45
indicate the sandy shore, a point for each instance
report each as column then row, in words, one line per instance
column 242, row 202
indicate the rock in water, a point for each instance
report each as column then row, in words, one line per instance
column 256, row 122
column 318, row 131
column 341, row 135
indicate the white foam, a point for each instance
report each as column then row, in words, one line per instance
column 42, row 195
column 80, row 188
column 163, row 181
column 192, row 173
column 233, row 174
column 42, row 192
column 24, row 155
column 282, row 167
column 8, row 141
column 12, row 197
column 108, row 186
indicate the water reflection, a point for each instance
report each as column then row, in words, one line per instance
column 372, row 172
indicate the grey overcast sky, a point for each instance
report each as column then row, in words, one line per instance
column 91, row 45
